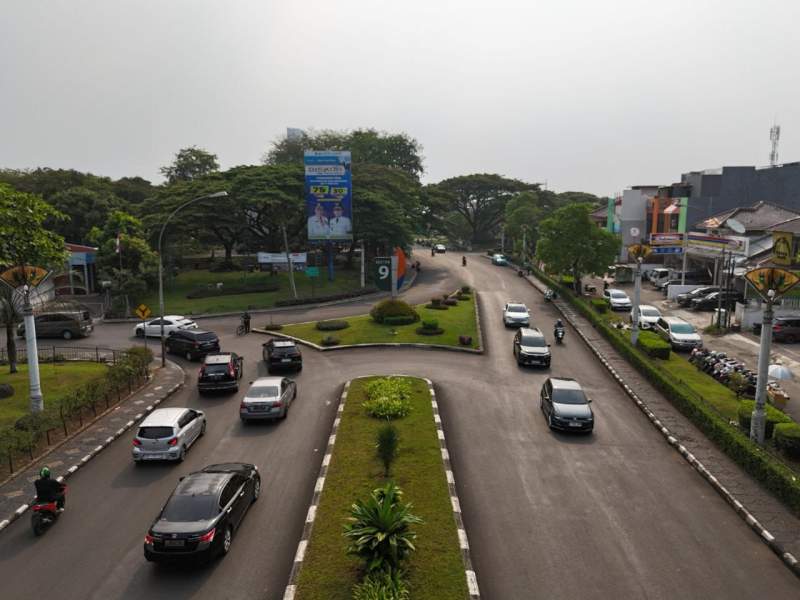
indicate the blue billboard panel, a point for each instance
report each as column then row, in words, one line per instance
column 328, row 193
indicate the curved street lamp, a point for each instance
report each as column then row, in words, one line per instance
column 161, row 266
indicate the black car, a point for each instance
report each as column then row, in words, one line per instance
column 202, row 514
column 220, row 371
column 686, row 299
column 530, row 348
column 722, row 298
column 784, row 329
column 192, row 343
column 282, row 354
column 565, row 405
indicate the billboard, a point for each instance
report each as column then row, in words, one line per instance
column 328, row 194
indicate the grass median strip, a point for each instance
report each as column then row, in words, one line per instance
column 456, row 321
column 436, row 569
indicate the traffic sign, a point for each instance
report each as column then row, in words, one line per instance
column 143, row 311
column 312, row 271
column 768, row 278
column 383, row 273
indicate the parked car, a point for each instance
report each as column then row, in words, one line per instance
column 516, row 314
column 440, row 249
column 282, row 354
column 268, row 398
column 784, row 329
column 659, row 275
column 172, row 323
column 723, row 298
column 680, row 334
column 166, row 434
column 648, row 315
column 617, row 299
column 66, row 324
column 220, row 371
column 565, row 405
column 685, row 299
column 192, row 343
column 530, row 348
column 499, row 260
column 201, row 516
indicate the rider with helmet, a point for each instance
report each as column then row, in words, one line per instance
column 49, row 490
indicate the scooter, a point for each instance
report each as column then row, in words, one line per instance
column 44, row 515
column 549, row 295
column 558, row 333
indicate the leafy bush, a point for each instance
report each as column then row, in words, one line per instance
column 6, row 390
column 401, row 320
column 787, row 438
column 329, row 340
column 465, row 289
column 332, row 325
column 451, row 302
column 272, row 326
column 436, row 301
column 430, row 324
column 392, row 308
column 774, row 416
column 388, row 398
column 226, row 266
column 599, row 304
column 382, row 585
column 379, row 530
column 465, row 340
column 230, row 289
column 386, row 443
column 328, row 298
column 653, row 345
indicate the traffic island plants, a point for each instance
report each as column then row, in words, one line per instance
column 448, row 323
column 384, row 527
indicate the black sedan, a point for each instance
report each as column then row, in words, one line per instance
column 203, row 513
column 565, row 405
column 686, row 299
column 722, row 298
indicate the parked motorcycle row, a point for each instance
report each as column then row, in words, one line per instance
column 722, row 368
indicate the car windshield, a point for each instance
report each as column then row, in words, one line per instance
column 215, row 369
column 682, row 328
column 263, row 391
column 650, row 312
column 619, row 295
column 286, row 350
column 519, row 308
column 155, row 433
column 569, row 396
column 185, row 507
column 533, row 340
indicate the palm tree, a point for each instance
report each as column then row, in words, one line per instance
column 10, row 315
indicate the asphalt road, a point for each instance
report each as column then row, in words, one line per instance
column 614, row 515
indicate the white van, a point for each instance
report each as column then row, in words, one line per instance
column 660, row 275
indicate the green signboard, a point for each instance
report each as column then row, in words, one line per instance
column 312, row 271
column 383, row 273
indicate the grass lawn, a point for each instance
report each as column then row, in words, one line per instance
column 456, row 321
column 175, row 290
column 57, row 379
column 436, row 570
column 712, row 391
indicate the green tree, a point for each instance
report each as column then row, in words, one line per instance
column 133, row 190
column 190, row 163
column 84, row 208
column 10, row 315
column 570, row 242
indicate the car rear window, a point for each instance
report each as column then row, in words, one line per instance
column 206, row 337
column 285, row 350
column 184, row 508
column 263, row 391
column 682, row 328
column 561, row 396
column 155, row 433
column 215, row 369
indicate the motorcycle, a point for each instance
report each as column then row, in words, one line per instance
column 558, row 333
column 44, row 515
column 549, row 295
column 463, row 261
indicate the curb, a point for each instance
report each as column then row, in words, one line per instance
column 311, row 516
column 469, row 571
column 85, row 460
column 788, row 559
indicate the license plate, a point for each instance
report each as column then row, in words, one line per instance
column 259, row 408
column 154, row 456
column 574, row 424
column 286, row 360
column 174, row 543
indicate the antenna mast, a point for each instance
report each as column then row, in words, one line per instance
column 774, row 136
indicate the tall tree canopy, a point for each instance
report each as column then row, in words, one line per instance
column 84, row 208
column 569, row 242
column 190, row 163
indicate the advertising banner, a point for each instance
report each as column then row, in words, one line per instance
column 328, row 194
column 383, row 273
column 666, row 239
column 781, row 248
column 280, row 257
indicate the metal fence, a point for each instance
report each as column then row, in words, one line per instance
column 56, row 354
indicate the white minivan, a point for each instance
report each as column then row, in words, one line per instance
column 167, row 433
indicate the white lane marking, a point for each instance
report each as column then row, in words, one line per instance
column 312, row 513
column 472, row 584
column 462, row 539
column 301, row 551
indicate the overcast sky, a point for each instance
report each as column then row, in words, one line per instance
column 585, row 95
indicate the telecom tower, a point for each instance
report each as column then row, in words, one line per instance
column 774, row 136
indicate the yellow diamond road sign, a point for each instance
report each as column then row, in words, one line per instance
column 769, row 278
column 143, row 311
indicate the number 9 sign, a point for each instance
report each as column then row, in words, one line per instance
column 383, row 273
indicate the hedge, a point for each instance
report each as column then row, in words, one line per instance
column 599, row 304
column 230, row 290
column 399, row 320
column 774, row 475
column 774, row 417
column 787, row 438
column 329, row 298
column 333, row 325
column 653, row 345
column 392, row 308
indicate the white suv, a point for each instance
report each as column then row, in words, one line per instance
column 680, row 334
column 617, row 299
column 515, row 314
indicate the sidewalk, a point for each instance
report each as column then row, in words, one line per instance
column 773, row 516
column 72, row 454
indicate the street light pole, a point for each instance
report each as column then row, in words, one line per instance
column 32, row 351
column 161, row 267
column 636, row 293
column 758, row 419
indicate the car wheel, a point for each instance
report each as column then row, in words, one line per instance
column 66, row 334
column 256, row 488
column 203, row 429
column 227, row 538
column 188, row 356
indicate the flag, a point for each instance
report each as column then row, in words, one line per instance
column 116, row 245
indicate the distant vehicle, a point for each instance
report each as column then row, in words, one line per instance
column 565, row 405
column 659, row 274
column 192, row 343
column 66, row 324
column 499, row 260
column 515, row 314
column 722, row 298
column 201, row 516
column 167, row 433
column 617, row 299
column 440, row 249
column 680, row 334
column 172, row 323
column 530, row 348
column 220, row 371
column 282, row 354
column 686, row 298
column 784, row 329
column 268, row 398
column 648, row 315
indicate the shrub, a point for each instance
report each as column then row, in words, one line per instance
column 465, row 289
column 332, row 325
column 653, row 345
column 774, row 416
column 430, row 324
column 465, row 340
column 382, row 585
column 436, row 301
column 451, row 302
column 392, row 308
column 273, row 327
column 379, row 529
column 225, row 266
column 386, row 443
column 599, row 304
column 328, row 298
column 329, row 340
column 787, row 438
column 388, row 398
column 6, row 390
column 401, row 320
column 230, row 289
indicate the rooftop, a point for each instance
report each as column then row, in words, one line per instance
column 759, row 217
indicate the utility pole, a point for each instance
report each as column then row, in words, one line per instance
column 363, row 267
column 639, row 252
column 289, row 260
column 32, row 350
column 758, row 418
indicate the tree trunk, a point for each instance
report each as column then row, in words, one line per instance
column 228, row 252
column 576, row 276
column 11, row 347
column 350, row 254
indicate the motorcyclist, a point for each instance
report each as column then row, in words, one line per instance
column 463, row 261
column 558, row 326
column 49, row 490
column 246, row 321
